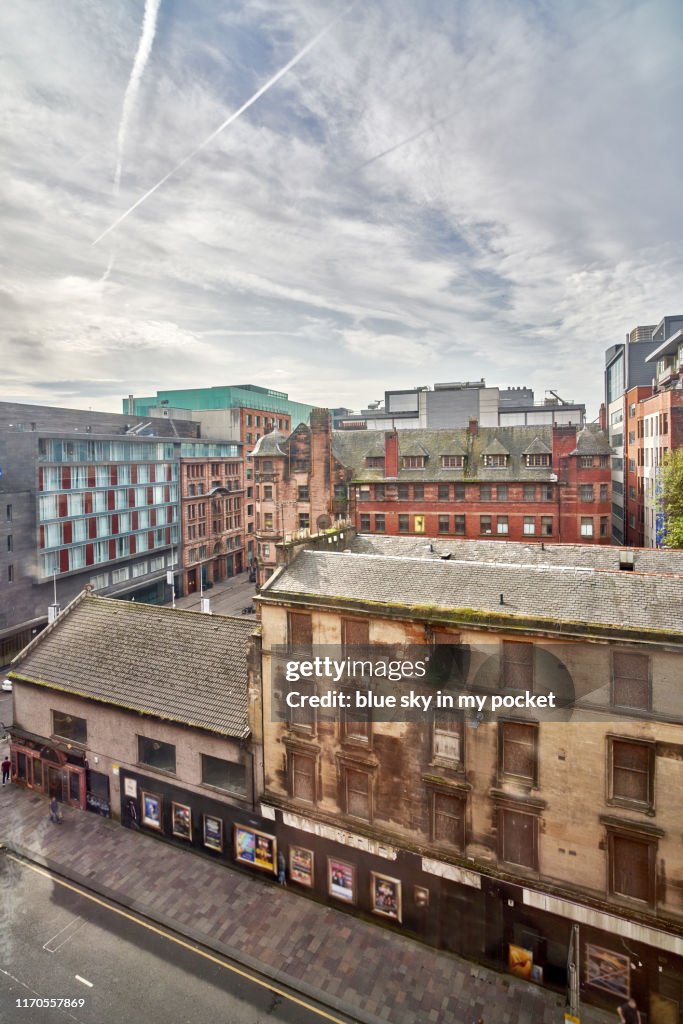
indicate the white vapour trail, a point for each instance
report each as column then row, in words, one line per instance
column 229, row 120
column 149, row 27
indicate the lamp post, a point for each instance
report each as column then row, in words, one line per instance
column 53, row 609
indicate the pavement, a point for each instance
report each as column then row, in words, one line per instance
column 227, row 598
column 367, row 972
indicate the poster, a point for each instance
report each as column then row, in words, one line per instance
column 385, row 896
column 608, row 971
column 130, row 788
column 301, row 866
column 181, row 821
column 213, row 832
column 257, row 849
column 151, row 810
column 341, row 880
column 520, row 961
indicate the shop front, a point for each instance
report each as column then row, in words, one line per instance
column 51, row 767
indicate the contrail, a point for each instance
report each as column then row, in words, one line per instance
column 229, row 120
column 149, row 27
column 403, row 142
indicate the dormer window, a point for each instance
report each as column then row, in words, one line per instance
column 374, row 462
column 541, row 459
column 453, row 461
column 496, row 461
column 413, row 461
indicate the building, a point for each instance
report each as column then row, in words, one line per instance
column 140, row 714
column 521, row 839
column 453, row 405
column 85, row 497
column 243, row 412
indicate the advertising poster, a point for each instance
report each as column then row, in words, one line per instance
column 181, row 818
column 341, row 880
column 130, row 788
column 213, row 832
column 520, row 961
column 385, row 895
column 301, row 866
column 257, row 849
column 151, row 810
column 608, row 971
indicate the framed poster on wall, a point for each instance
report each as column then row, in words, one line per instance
column 385, row 896
column 301, row 866
column 257, row 849
column 181, row 821
column 151, row 810
column 608, row 971
column 341, row 880
column 213, row 832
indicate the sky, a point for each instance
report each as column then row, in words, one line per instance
column 437, row 190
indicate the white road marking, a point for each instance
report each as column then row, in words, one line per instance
column 50, row 945
column 84, row 981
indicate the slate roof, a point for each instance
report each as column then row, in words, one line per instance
column 538, row 447
column 352, row 446
column 175, row 665
column 584, row 600
column 495, row 448
column 269, row 444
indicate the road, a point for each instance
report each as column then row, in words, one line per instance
column 57, row 941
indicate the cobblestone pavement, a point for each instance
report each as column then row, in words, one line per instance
column 367, row 971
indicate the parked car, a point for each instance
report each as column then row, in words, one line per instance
column 7, row 685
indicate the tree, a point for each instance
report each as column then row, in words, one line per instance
column 671, row 498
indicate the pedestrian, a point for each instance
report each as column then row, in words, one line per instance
column 55, row 816
column 629, row 1012
column 6, row 770
column 281, row 868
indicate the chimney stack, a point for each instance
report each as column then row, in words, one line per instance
column 391, row 454
column 473, row 427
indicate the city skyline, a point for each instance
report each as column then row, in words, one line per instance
column 426, row 194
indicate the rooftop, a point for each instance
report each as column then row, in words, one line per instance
column 175, row 665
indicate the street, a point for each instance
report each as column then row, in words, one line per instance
column 58, row 942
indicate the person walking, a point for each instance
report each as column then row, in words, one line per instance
column 629, row 1012
column 55, row 816
column 6, row 770
column 281, row 868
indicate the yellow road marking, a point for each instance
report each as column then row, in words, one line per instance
column 179, row 942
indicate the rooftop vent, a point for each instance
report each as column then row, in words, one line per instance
column 627, row 561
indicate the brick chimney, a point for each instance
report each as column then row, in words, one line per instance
column 602, row 417
column 391, row 454
column 473, row 427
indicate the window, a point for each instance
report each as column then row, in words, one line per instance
column 452, row 461
column 304, row 521
column 518, row 752
column 418, row 492
column 299, row 629
column 444, row 492
column 8, row 513
column 302, row 777
column 485, row 525
column 413, row 461
column 448, row 819
column 374, row 462
column 355, row 632
column 228, row 775
column 403, row 523
column 501, row 492
column 156, row 754
column 529, row 526
column 501, row 525
column 447, row 736
column 355, row 726
column 459, row 492
column 518, row 837
column 459, row 526
column 444, row 524
column 604, row 491
column 120, row 575
column 357, row 794
column 547, row 493
column 10, row 543
column 604, row 526
column 10, row 574
column 631, row 773
column 303, row 493
column 632, row 859
column 364, row 493
column 540, row 459
column 380, row 523
column 69, row 727
column 586, row 526
column 496, row 461
column 380, row 491
column 485, row 492
column 403, row 492
column 547, row 526
column 529, row 492
column 267, row 520
column 586, row 492
column 631, row 680
column 248, row 419
column 268, row 492
column 517, row 665
column 365, row 522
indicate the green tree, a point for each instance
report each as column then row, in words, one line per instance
column 671, row 498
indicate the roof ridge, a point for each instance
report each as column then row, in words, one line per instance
column 50, row 627
column 155, row 608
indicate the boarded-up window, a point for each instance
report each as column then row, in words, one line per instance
column 448, row 822
column 518, row 665
column 447, row 735
column 357, row 793
column 517, row 838
column 355, row 632
column 632, row 772
column 518, row 757
column 303, row 718
column 630, row 679
column 632, row 866
column 303, row 777
column 300, row 629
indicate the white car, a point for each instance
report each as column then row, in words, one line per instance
column 7, row 685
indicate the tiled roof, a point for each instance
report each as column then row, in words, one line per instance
column 412, row 446
column 660, row 561
column 176, row 665
column 538, row 447
column 451, row 446
column 576, row 599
